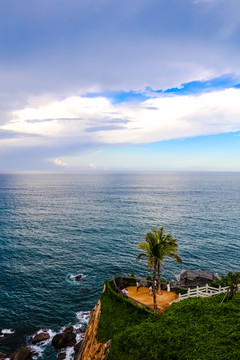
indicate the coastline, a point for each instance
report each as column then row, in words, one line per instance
column 44, row 348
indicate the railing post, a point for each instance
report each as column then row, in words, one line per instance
column 188, row 292
column 220, row 288
column 197, row 291
column 179, row 296
column 206, row 288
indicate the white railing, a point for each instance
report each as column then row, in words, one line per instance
column 203, row 291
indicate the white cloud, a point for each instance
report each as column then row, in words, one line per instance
column 59, row 162
column 92, row 166
column 81, row 120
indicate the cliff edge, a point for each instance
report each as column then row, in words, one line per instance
column 91, row 349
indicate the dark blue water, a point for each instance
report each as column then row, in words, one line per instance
column 54, row 226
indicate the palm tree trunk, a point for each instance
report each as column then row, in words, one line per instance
column 154, row 290
column 159, row 280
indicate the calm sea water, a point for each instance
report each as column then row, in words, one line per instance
column 55, row 226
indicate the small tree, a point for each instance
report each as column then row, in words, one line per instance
column 233, row 281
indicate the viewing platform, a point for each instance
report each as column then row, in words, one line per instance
column 141, row 296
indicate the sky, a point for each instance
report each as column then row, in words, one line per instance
column 101, row 85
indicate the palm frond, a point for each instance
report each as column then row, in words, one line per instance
column 140, row 256
column 176, row 256
column 157, row 247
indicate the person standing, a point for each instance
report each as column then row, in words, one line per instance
column 125, row 292
column 150, row 290
column 138, row 285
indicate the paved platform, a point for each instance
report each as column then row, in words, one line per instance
column 142, row 296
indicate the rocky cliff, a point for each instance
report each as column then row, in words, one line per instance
column 91, row 349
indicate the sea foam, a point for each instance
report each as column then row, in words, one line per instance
column 7, row 331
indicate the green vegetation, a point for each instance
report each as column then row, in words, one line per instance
column 117, row 313
column 157, row 247
column 124, row 281
column 232, row 280
column 193, row 329
column 149, row 277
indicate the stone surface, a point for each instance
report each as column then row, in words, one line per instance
column 78, row 277
column 61, row 356
column 80, row 330
column 21, row 354
column 40, row 337
column 64, row 339
column 68, row 329
column 90, row 348
column 77, row 349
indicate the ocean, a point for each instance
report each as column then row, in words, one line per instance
column 54, row 226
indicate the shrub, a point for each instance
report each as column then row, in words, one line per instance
column 149, row 277
column 194, row 328
column 117, row 313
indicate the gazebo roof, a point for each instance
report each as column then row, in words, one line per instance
column 194, row 274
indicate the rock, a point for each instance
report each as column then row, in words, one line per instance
column 2, row 356
column 68, row 329
column 78, row 277
column 80, row 331
column 21, row 354
column 77, row 347
column 40, row 337
column 63, row 340
column 61, row 356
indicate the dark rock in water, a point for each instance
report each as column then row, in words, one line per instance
column 68, row 329
column 2, row 356
column 40, row 337
column 80, row 331
column 78, row 277
column 61, row 356
column 64, row 339
column 21, row 354
column 77, row 347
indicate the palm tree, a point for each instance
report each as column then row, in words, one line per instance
column 167, row 247
column 150, row 251
column 157, row 247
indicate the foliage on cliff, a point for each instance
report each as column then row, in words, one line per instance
column 118, row 313
column 191, row 329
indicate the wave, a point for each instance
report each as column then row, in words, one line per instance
column 83, row 317
column 79, row 327
column 71, row 279
column 7, row 331
column 69, row 353
column 38, row 349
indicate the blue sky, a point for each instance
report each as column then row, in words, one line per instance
column 119, row 85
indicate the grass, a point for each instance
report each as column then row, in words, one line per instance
column 196, row 328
